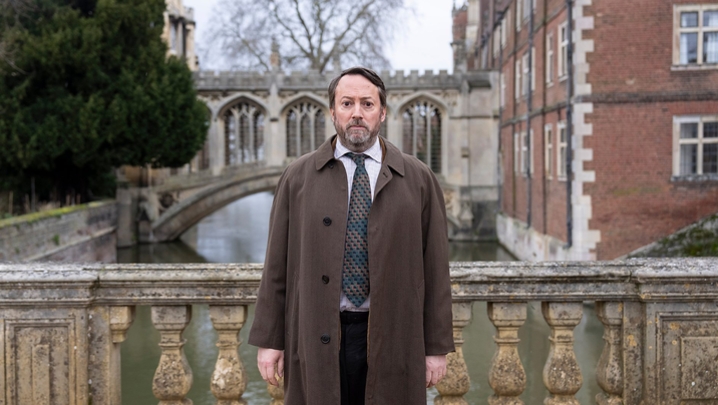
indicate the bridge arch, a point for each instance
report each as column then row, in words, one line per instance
column 181, row 216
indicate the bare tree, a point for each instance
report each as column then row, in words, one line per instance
column 309, row 34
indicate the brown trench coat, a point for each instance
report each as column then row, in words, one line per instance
column 298, row 302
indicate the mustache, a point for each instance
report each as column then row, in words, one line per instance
column 354, row 123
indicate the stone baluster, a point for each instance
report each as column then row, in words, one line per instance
column 229, row 379
column 609, row 371
column 561, row 374
column 276, row 393
column 173, row 377
column 121, row 319
column 456, row 384
column 507, row 376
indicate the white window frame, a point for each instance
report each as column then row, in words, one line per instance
column 561, row 151
column 502, row 95
column 496, row 40
column 519, row 18
column 524, row 74
column 700, row 141
column 549, row 58
column 533, row 68
column 562, row 41
column 699, row 30
column 506, row 26
column 517, row 77
column 548, row 150
column 517, row 152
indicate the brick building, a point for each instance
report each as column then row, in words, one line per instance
column 609, row 121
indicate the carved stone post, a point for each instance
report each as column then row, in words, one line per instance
column 609, row 371
column 173, row 377
column 121, row 319
column 561, row 374
column 277, row 393
column 507, row 376
column 456, row 384
column 229, row 379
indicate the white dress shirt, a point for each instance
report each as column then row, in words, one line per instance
column 373, row 167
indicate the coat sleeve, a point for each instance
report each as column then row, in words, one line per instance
column 438, row 327
column 268, row 327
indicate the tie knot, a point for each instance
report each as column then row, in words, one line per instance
column 358, row 158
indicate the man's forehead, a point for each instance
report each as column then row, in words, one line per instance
column 351, row 85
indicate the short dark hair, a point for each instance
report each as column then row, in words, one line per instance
column 367, row 73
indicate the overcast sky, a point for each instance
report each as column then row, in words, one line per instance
column 421, row 44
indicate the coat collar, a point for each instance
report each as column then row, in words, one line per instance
column 391, row 155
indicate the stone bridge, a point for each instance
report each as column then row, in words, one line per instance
column 167, row 209
column 63, row 326
column 446, row 120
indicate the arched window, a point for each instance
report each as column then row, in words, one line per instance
column 305, row 128
column 422, row 133
column 243, row 134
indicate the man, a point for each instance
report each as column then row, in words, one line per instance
column 355, row 303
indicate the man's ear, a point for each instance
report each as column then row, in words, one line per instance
column 383, row 114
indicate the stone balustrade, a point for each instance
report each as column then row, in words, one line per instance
column 63, row 324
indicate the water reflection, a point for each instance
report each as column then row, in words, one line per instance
column 238, row 233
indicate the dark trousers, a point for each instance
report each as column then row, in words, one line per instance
column 352, row 356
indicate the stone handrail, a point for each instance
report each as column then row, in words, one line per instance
column 63, row 325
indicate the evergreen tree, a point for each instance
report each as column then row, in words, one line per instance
column 85, row 86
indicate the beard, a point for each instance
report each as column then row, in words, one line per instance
column 357, row 139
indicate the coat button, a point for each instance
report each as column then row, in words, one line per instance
column 331, row 165
column 325, row 338
column 327, row 221
column 325, row 279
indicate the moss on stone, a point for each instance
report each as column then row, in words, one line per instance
column 58, row 212
column 697, row 240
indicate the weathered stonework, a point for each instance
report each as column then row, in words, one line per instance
column 61, row 327
column 83, row 233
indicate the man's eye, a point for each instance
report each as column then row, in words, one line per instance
column 346, row 104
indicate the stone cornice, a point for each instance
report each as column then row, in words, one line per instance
column 675, row 280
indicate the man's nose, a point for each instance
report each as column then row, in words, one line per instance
column 357, row 112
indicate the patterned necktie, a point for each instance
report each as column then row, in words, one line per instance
column 355, row 274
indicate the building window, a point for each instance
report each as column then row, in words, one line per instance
column 548, row 150
column 422, row 133
column 562, row 50
column 517, row 81
column 696, row 30
column 495, row 42
column 562, row 151
column 517, row 153
column 243, row 134
column 527, row 161
column 524, row 74
column 519, row 18
column 505, row 28
column 502, row 95
column 549, row 57
column 695, row 145
column 305, row 128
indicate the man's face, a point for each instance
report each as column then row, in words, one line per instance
column 357, row 112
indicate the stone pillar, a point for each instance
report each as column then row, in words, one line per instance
column 277, row 393
column 121, row 319
column 507, row 376
column 173, row 377
column 609, row 371
column 456, row 384
column 229, row 379
column 561, row 374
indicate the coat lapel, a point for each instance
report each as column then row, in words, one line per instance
column 392, row 162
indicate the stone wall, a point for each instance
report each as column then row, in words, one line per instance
column 82, row 233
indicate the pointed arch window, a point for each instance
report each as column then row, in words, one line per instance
column 243, row 134
column 422, row 133
column 305, row 128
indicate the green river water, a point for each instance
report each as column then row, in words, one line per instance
column 238, row 233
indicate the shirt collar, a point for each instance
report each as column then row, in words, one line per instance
column 373, row 152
